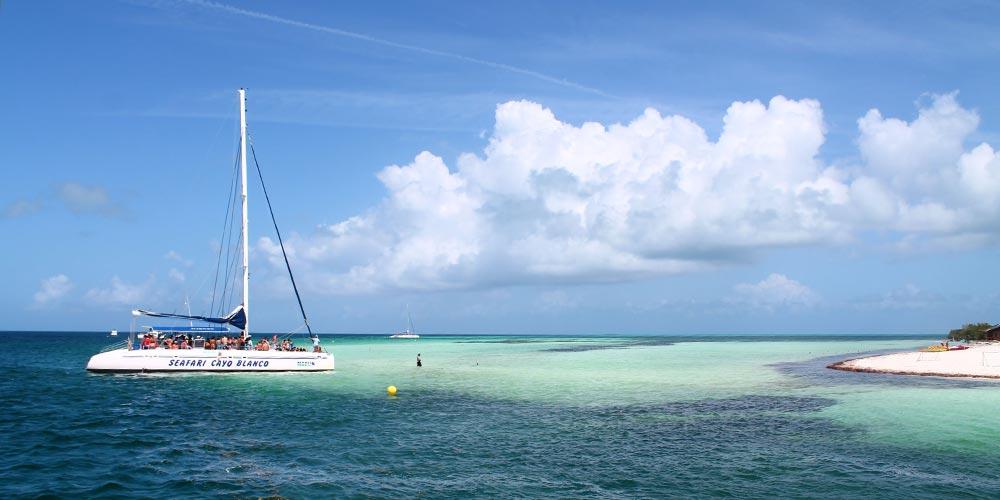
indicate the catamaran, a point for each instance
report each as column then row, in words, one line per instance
column 408, row 333
column 214, row 347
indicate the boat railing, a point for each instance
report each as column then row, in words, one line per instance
column 124, row 344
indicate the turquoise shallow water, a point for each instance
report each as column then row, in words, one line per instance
column 500, row 417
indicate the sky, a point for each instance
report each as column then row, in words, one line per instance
column 507, row 167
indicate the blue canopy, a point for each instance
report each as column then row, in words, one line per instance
column 237, row 318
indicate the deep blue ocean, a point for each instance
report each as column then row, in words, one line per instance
column 507, row 417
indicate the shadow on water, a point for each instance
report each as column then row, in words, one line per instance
column 519, row 341
column 581, row 344
column 581, row 347
column 593, row 343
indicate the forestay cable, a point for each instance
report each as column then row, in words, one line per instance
column 280, row 242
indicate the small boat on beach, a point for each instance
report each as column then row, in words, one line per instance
column 944, row 346
column 214, row 347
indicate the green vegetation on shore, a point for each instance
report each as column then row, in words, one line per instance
column 971, row 331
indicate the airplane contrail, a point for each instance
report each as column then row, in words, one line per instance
column 389, row 43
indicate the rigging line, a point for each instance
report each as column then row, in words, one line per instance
column 234, row 271
column 226, row 230
column 222, row 237
column 289, row 335
column 226, row 268
column 229, row 243
column 229, row 285
column 196, row 291
column 280, row 242
column 223, row 244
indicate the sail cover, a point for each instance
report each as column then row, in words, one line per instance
column 237, row 318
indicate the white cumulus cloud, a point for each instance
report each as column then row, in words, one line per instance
column 908, row 296
column 121, row 293
column 178, row 258
column 176, row 275
column 548, row 201
column 919, row 179
column 777, row 290
column 20, row 208
column 52, row 289
column 81, row 198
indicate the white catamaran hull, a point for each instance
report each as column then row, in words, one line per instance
column 201, row 360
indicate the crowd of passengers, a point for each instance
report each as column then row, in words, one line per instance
column 149, row 341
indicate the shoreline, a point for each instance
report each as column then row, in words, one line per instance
column 978, row 361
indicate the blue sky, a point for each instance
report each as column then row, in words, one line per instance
column 558, row 167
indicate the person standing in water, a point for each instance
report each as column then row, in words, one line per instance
column 419, row 364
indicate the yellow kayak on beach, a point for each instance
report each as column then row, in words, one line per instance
column 935, row 348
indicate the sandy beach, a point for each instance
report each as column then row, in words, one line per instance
column 980, row 361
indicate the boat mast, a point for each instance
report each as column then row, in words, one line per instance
column 409, row 320
column 243, row 179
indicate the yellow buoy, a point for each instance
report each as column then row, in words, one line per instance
column 391, row 390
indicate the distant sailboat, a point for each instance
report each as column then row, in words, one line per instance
column 193, row 347
column 408, row 333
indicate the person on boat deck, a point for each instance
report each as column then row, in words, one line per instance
column 419, row 364
column 316, row 346
column 185, row 344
